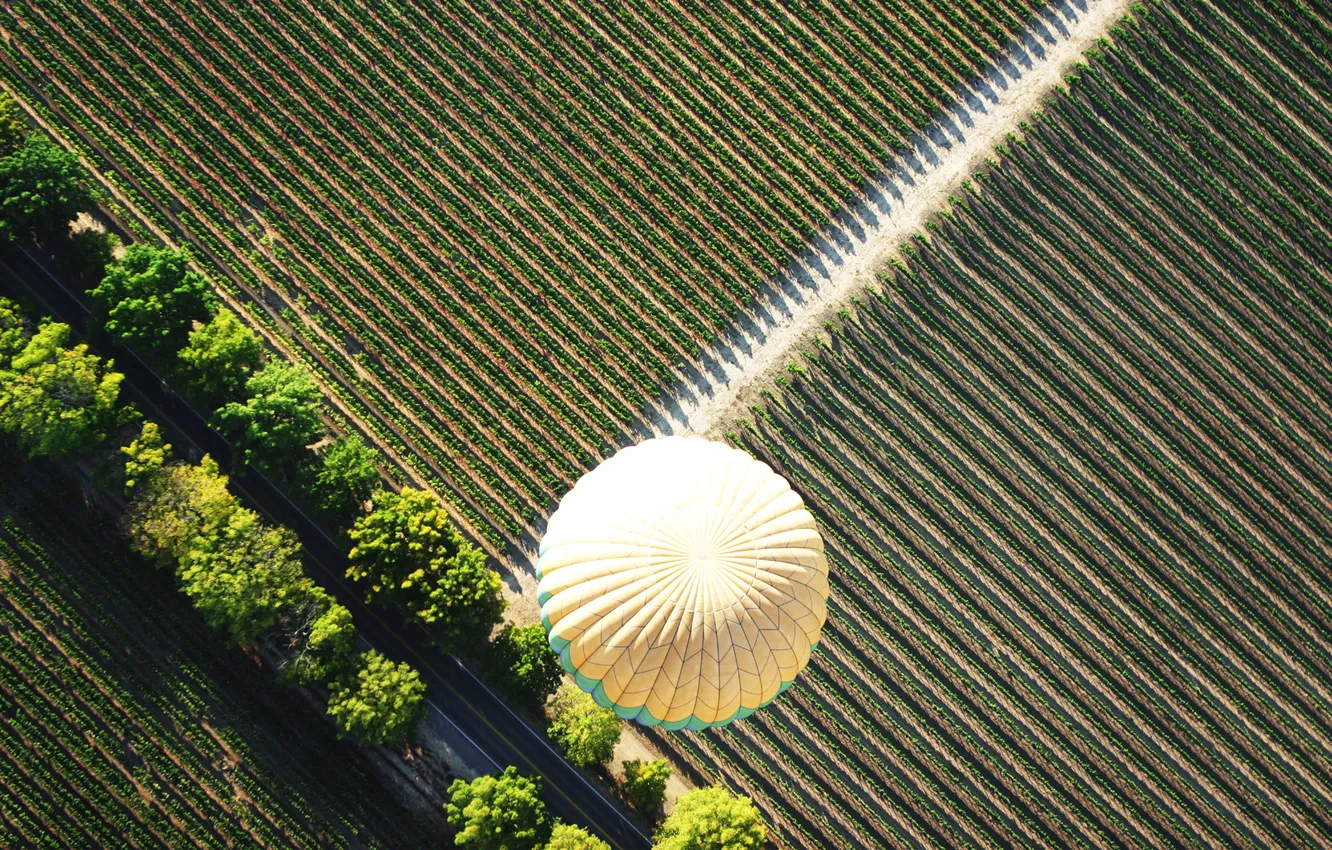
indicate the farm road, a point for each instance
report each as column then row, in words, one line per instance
column 475, row 723
column 894, row 206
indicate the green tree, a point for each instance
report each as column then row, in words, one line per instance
column 171, row 508
column 379, row 702
column 15, row 331
column 13, row 128
column 498, row 812
column 243, row 575
column 278, row 419
column 568, row 837
column 645, row 783
column 340, row 480
column 150, row 299
column 712, row 819
column 219, row 357
column 56, row 399
column 586, row 732
column 42, row 188
column 321, row 638
column 411, row 555
column 522, row 665
column 146, row 456
column 88, row 253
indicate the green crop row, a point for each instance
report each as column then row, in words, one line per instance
column 522, row 222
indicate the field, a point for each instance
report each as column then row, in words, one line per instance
column 1072, row 458
column 499, row 231
column 1073, row 463
column 125, row 723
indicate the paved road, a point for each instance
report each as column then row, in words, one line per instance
column 485, row 725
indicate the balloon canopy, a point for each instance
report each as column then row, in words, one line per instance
column 683, row 583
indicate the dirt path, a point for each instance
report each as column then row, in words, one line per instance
column 895, row 205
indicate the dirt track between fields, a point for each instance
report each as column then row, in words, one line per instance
column 895, row 205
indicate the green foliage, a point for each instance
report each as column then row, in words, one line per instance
column 498, row 812
column 323, row 638
column 88, row 253
column 13, row 128
column 55, row 399
column 645, row 783
column 340, row 481
column 568, row 837
column 278, row 419
column 171, row 508
column 411, row 555
column 712, row 819
column 146, row 456
column 522, row 665
column 586, row 732
column 42, row 188
column 15, row 331
column 242, row 575
column 150, row 299
column 219, row 357
column 379, row 702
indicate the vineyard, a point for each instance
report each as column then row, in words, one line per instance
column 496, row 231
column 1073, row 464
column 125, row 723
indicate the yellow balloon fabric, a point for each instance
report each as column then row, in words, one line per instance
column 683, row 583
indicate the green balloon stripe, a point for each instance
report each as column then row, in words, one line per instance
column 639, row 713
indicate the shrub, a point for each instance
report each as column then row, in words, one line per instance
column 410, row 554
column 339, row 482
column 567, row 837
column 57, row 399
column 42, row 188
column 586, row 732
column 645, row 783
column 378, row 702
column 277, row 420
column 218, row 358
column 150, row 299
column 712, row 819
column 522, row 665
column 502, row 812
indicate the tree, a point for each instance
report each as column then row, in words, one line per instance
column 340, row 480
column 15, row 331
column 278, row 419
column 411, row 555
column 522, row 665
column 645, row 783
column 243, row 575
column 13, row 128
column 58, row 400
column 568, row 837
column 171, row 508
column 712, row 819
column 502, row 812
column 145, row 457
column 322, row 637
column 586, row 732
column 150, row 299
column 219, row 357
column 42, row 188
column 87, row 254
column 378, row 702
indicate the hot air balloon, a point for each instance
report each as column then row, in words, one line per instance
column 683, row 583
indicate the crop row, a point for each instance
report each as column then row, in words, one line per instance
column 1072, row 464
column 120, row 719
column 498, row 232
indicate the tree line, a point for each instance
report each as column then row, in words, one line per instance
column 246, row 576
